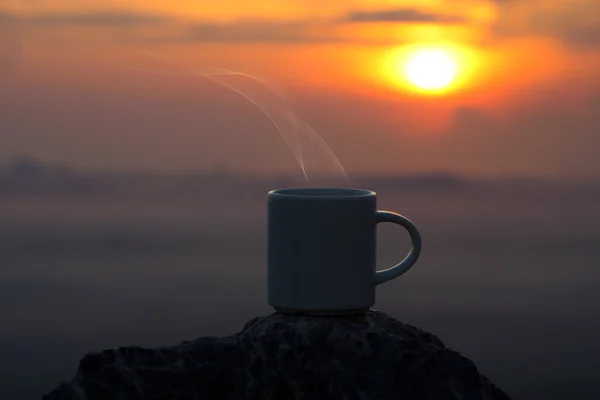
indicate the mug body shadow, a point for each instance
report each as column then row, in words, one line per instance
column 321, row 250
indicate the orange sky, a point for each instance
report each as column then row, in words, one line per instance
column 517, row 60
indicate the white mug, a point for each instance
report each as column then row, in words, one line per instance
column 322, row 250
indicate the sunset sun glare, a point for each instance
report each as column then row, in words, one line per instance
column 430, row 69
column 438, row 69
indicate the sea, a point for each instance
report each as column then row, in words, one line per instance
column 509, row 274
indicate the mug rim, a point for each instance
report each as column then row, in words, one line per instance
column 321, row 193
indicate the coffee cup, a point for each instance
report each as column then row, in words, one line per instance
column 322, row 250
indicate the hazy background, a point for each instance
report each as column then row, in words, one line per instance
column 133, row 192
column 508, row 274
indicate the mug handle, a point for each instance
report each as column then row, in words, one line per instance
column 398, row 269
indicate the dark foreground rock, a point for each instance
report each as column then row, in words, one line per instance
column 280, row 357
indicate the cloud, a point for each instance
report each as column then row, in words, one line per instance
column 571, row 35
column 574, row 23
column 240, row 31
column 259, row 31
column 402, row 15
column 101, row 19
column 98, row 19
column 585, row 37
column 268, row 32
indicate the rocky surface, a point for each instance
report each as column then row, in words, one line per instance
column 280, row 357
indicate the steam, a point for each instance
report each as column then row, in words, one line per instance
column 312, row 153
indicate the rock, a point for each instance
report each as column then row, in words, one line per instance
column 280, row 357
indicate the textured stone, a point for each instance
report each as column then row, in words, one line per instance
column 280, row 357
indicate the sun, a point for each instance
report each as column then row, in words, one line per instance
column 430, row 69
